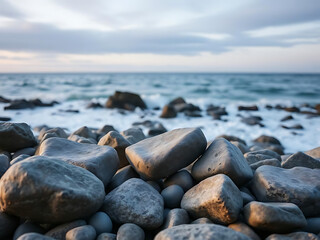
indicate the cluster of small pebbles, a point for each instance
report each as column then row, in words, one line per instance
column 104, row 184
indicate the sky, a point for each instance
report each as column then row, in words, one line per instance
column 160, row 36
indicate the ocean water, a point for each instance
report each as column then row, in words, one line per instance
column 75, row 91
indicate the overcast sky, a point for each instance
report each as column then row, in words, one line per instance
column 162, row 36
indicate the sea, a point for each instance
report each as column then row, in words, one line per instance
column 74, row 91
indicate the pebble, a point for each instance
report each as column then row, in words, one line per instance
column 172, row 196
column 85, row 232
column 101, row 222
column 130, row 231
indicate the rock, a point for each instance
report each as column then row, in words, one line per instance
column 172, row 196
column 298, row 185
column 248, row 108
column 135, row 201
column 257, row 156
column 222, row 157
column 313, row 225
column 60, row 231
column 5, row 119
column 315, row 153
column 245, row 229
column 8, row 224
column 4, row 164
column 28, row 151
column 34, row 236
column 293, row 236
column 86, row 232
column 246, row 197
column 232, row 138
column 78, row 139
column 52, row 132
column 102, row 161
column 168, row 111
column 19, row 158
column 296, row 127
column 157, row 129
column 105, row 129
column 274, row 217
column 4, row 100
column 94, row 105
column 300, row 159
column 178, row 100
column 125, row 100
column 31, row 189
column 202, row 221
column 101, row 222
column 107, row 236
column 130, row 231
column 271, row 162
column 286, row 118
column 175, row 217
column 27, row 227
column 243, row 148
column 121, row 176
column 291, row 109
column 192, row 113
column 216, row 198
column 155, row 185
column 186, row 107
column 15, row 136
column 85, row 132
column 182, row 178
column 267, row 140
column 119, row 143
column 152, row 157
column 19, row 104
column 133, row 135
column 200, row 232
column 252, row 120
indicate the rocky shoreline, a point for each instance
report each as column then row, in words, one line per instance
column 104, row 184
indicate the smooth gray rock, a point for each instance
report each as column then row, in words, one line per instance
column 246, row 198
column 256, row 156
column 245, row 229
column 135, row 201
column 48, row 190
column 200, row 232
column 52, row 132
column 300, row 159
column 315, row 152
column 271, row 162
column 133, row 135
column 101, row 222
column 79, row 139
column 85, row 232
column 274, row 217
column 232, row 138
column 34, row 236
column 175, row 217
column 102, row 161
column 172, row 196
column 298, row 185
column 243, row 148
column 216, row 198
column 182, row 178
column 16, row 136
column 107, row 236
column 153, row 158
column 119, row 143
column 293, row 236
column 27, row 227
column 85, row 132
column 4, row 164
column 313, row 225
column 28, row 151
column 222, row 157
column 121, row 176
column 130, row 231
column 8, row 224
column 125, row 100
column 155, row 185
column 60, row 231
column 19, row 158
column 202, row 221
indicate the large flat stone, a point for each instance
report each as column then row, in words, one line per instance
column 298, row 185
column 200, row 232
column 161, row 156
column 48, row 190
column 102, row 161
column 222, row 157
column 216, row 198
column 274, row 217
column 135, row 201
column 15, row 136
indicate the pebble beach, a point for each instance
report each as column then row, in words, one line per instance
column 133, row 165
